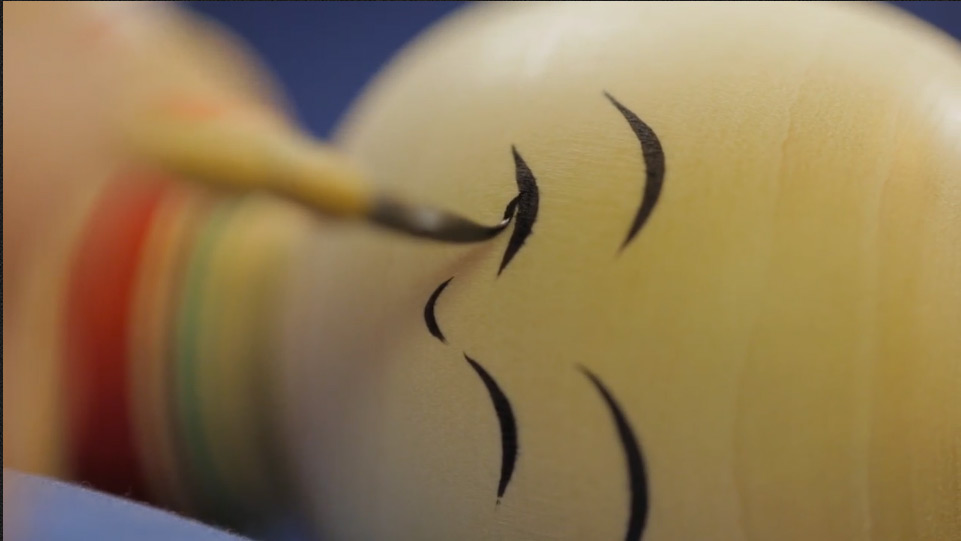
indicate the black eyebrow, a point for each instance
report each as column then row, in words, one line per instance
column 505, row 416
column 637, row 475
column 654, row 167
column 526, row 204
column 429, row 318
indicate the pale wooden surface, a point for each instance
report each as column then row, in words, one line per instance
column 784, row 334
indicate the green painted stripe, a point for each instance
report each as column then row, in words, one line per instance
column 214, row 500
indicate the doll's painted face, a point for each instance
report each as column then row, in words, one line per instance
column 726, row 308
column 524, row 209
column 464, row 419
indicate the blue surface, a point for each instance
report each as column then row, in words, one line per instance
column 39, row 509
column 324, row 52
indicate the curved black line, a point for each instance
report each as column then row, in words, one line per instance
column 429, row 318
column 653, row 164
column 505, row 416
column 511, row 207
column 635, row 462
column 526, row 204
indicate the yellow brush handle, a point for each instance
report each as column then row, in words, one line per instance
column 245, row 156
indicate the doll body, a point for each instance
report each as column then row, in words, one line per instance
column 727, row 307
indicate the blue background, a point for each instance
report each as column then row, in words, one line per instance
column 324, row 52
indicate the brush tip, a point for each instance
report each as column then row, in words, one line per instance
column 431, row 223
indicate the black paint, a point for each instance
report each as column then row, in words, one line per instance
column 505, row 415
column 511, row 207
column 635, row 462
column 653, row 164
column 429, row 318
column 526, row 204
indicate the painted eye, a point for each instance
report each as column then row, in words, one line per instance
column 505, row 417
column 654, row 168
column 526, row 205
column 636, row 472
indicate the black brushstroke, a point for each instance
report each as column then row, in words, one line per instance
column 511, row 207
column 526, row 204
column 429, row 318
column 505, row 416
column 635, row 462
column 653, row 164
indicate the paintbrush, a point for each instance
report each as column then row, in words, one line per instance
column 229, row 151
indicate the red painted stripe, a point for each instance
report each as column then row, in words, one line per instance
column 101, row 448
